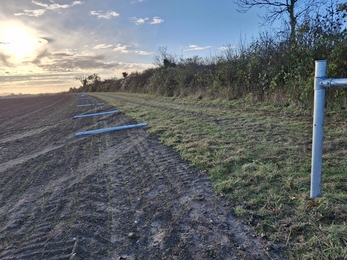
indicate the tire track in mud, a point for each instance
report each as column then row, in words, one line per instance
column 164, row 209
column 38, row 200
column 220, row 115
column 59, row 220
column 251, row 124
column 47, row 133
column 53, row 203
column 116, row 195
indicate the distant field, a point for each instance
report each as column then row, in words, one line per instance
column 259, row 157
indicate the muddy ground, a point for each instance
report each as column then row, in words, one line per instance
column 114, row 195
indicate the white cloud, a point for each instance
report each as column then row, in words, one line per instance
column 103, row 46
column 194, row 47
column 77, row 3
column 96, row 13
column 227, row 48
column 102, row 15
column 143, row 52
column 53, row 6
column 121, row 48
column 39, row 12
column 157, row 20
column 125, row 49
column 34, row 13
column 139, row 21
column 39, row 4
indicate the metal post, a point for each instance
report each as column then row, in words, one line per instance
column 318, row 131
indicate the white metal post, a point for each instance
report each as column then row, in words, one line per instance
column 318, row 131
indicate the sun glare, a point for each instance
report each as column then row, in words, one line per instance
column 19, row 43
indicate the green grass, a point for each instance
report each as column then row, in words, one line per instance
column 259, row 156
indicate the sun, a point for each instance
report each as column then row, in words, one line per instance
column 18, row 43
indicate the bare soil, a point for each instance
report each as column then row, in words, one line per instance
column 114, row 195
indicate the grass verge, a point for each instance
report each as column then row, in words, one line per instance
column 259, row 156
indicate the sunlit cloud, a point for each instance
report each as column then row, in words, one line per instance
column 71, row 62
column 34, row 13
column 4, row 59
column 19, row 44
column 194, row 47
column 104, row 15
column 143, row 52
column 102, row 46
column 60, row 67
column 63, row 66
column 157, row 20
column 121, row 48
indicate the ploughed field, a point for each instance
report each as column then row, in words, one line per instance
column 113, row 195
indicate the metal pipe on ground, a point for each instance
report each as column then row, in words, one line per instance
column 89, row 105
column 97, row 114
column 102, row 130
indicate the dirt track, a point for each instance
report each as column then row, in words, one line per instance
column 115, row 195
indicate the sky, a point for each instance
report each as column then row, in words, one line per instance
column 45, row 44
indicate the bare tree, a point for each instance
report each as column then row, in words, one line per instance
column 82, row 79
column 85, row 80
column 94, row 78
column 164, row 58
column 289, row 10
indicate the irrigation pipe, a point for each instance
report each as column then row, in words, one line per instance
column 96, row 114
column 88, row 105
column 102, row 130
column 86, row 98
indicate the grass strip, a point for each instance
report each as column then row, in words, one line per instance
column 259, row 156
